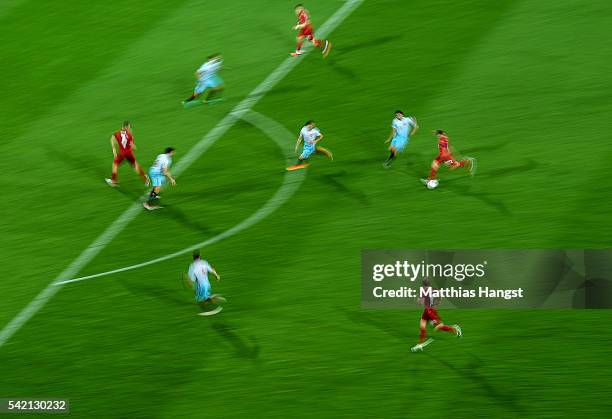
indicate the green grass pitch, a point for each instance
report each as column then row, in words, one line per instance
column 521, row 85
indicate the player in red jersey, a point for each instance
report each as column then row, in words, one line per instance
column 124, row 139
column 445, row 157
column 430, row 314
column 306, row 31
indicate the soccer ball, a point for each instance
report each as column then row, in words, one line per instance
column 432, row 184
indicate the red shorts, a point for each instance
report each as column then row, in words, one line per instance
column 430, row 314
column 128, row 155
column 445, row 158
column 307, row 32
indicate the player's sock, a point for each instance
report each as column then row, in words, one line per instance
column 462, row 163
column 422, row 335
column 446, row 328
column 432, row 174
column 391, row 157
column 325, row 151
column 114, row 177
column 190, row 98
column 152, row 197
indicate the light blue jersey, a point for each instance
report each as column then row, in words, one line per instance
column 207, row 76
column 198, row 274
column 402, row 132
column 156, row 172
column 309, row 136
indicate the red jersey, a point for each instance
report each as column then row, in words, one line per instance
column 125, row 140
column 303, row 18
column 443, row 144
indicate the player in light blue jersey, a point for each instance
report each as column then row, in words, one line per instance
column 159, row 171
column 197, row 278
column 402, row 128
column 208, row 82
column 311, row 136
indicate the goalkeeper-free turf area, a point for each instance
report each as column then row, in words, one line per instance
column 521, row 85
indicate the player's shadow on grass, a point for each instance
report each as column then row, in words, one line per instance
column 528, row 165
column 173, row 212
column 484, row 197
column 343, row 71
column 244, row 349
column 282, row 90
column 503, row 398
column 489, row 147
column 333, row 180
column 164, row 294
column 378, row 323
column 375, row 42
column 77, row 163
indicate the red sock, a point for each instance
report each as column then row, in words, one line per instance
column 299, row 45
column 432, row 174
column 114, row 177
column 446, row 328
column 462, row 163
column 422, row 335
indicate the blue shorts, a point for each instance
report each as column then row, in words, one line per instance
column 157, row 179
column 202, row 291
column 399, row 143
column 307, row 151
column 210, row 83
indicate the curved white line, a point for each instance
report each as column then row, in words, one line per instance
column 291, row 182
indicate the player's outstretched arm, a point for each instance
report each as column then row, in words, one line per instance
column 169, row 176
column 112, row 141
column 415, row 127
column 319, row 138
column 390, row 136
column 297, row 143
column 214, row 272
column 188, row 282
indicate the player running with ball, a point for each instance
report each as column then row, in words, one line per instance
column 125, row 141
column 445, row 157
column 430, row 314
column 306, row 32
column 311, row 136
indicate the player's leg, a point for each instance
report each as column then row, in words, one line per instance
column 397, row 146
column 302, row 161
column 325, row 151
column 204, row 299
column 132, row 160
column 213, row 86
column 422, row 332
column 435, row 165
column 298, row 45
column 392, row 154
column 324, row 45
column 468, row 163
column 197, row 91
column 157, row 181
column 455, row 329
column 115, row 168
column 141, row 173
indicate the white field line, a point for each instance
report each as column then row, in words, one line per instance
column 291, row 183
column 192, row 155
